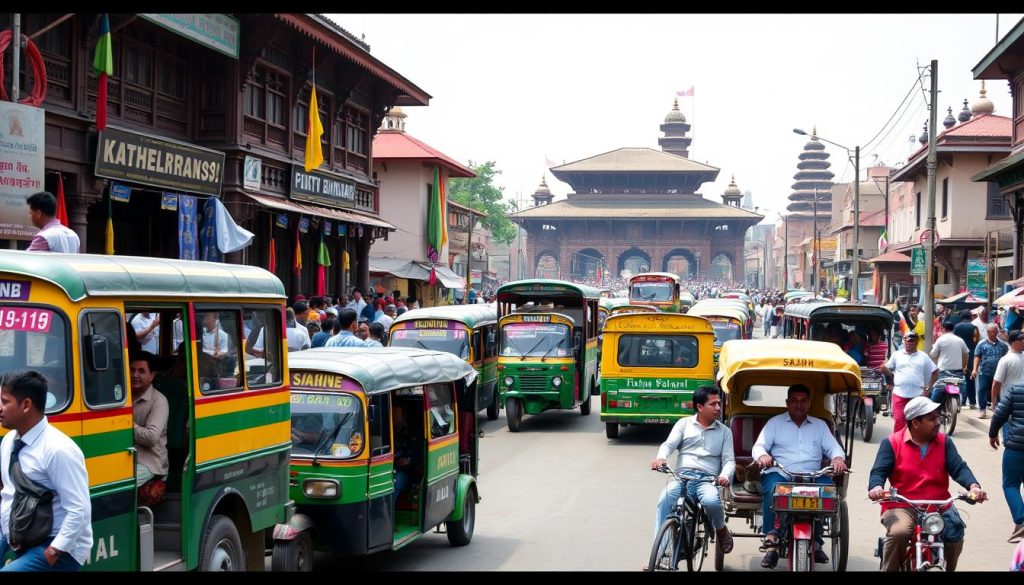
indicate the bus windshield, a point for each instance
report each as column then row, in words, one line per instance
column 326, row 425
column 725, row 331
column 36, row 339
column 651, row 291
column 535, row 339
column 453, row 341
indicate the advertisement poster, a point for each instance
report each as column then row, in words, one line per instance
column 977, row 283
column 22, row 166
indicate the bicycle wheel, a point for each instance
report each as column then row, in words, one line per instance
column 699, row 532
column 665, row 546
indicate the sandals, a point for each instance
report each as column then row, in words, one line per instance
column 725, row 540
column 771, row 553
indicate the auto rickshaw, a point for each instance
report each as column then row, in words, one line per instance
column 652, row 366
column 364, row 421
column 754, row 376
column 661, row 289
column 686, row 300
column 728, row 323
column 737, row 304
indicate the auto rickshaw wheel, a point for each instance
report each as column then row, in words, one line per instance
column 841, row 538
column 460, row 532
column 293, row 555
column 585, row 405
column 492, row 410
column 514, row 414
column 222, row 547
column 866, row 418
column 611, row 430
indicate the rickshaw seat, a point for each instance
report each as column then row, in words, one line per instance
column 745, row 430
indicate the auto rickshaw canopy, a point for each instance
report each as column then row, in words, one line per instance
column 379, row 370
column 819, row 365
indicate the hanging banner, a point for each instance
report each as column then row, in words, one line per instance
column 119, row 192
column 22, row 166
column 252, row 173
column 977, row 277
column 188, row 230
column 304, row 224
column 327, row 228
column 342, row 229
column 282, row 221
column 169, row 202
column 208, row 233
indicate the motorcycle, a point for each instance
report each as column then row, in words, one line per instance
column 805, row 508
column 949, row 402
column 925, row 549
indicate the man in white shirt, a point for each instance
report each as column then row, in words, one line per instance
column 147, row 331
column 390, row 312
column 798, row 442
column 357, row 303
column 705, row 450
column 47, row 457
column 981, row 321
column 53, row 236
column 1010, row 369
column 215, row 339
column 950, row 355
column 913, row 373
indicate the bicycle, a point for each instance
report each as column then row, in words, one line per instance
column 673, row 543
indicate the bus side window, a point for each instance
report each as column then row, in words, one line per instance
column 102, row 340
column 491, row 347
column 261, row 340
column 442, row 412
column 380, row 431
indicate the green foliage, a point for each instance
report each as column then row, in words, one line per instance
column 481, row 194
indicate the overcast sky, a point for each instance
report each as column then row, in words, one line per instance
column 518, row 89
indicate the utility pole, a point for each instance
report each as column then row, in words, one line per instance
column 469, row 251
column 16, row 64
column 814, row 246
column 928, row 292
column 785, row 249
column 855, row 265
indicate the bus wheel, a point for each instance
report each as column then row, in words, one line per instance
column 492, row 410
column 293, row 555
column 585, row 406
column 222, row 547
column 611, row 430
column 514, row 414
column 461, row 532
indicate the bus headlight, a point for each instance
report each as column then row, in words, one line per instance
column 933, row 524
column 508, row 380
column 321, row 488
column 556, row 381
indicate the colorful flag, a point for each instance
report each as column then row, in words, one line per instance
column 434, row 219
column 62, row 207
column 297, row 260
column 109, row 247
column 345, row 260
column 272, row 263
column 314, row 154
column 685, row 93
column 103, row 65
column 323, row 260
column 444, row 208
column 883, row 240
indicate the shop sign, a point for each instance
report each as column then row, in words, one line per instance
column 220, row 32
column 918, row 267
column 322, row 187
column 252, row 173
column 159, row 162
column 22, row 166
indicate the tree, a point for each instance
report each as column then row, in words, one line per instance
column 481, row 194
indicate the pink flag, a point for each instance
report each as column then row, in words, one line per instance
column 687, row 93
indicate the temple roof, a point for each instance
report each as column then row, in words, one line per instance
column 689, row 208
column 634, row 160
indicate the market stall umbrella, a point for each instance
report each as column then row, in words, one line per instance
column 1014, row 302
column 1009, row 296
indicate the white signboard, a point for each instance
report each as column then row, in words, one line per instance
column 22, row 166
column 252, row 172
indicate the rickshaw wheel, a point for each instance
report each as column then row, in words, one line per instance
column 719, row 555
column 513, row 414
column 222, row 547
column 460, row 532
column 585, row 406
column 611, row 430
column 841, row 538
column 492, row 410
column 293, row 555
column 867, row 422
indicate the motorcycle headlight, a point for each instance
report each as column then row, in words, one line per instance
column 508, row 380
column 556, row 381
column 933, row 524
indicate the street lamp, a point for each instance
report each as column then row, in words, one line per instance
column 855, row 265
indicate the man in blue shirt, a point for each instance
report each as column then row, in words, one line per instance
column 798, row 442
column 346, row 327
column 987, row 354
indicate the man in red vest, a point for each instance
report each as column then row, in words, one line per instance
column 918, row 462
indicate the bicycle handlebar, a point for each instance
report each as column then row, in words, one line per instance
column 827, row 470
column 891, row 495
column 675, row 473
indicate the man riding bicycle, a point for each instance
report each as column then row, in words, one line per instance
column 918, row 462
column 798, row 442
column 705, row 450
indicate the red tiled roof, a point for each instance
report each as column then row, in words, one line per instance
column 891, row 257
column 389, row 145
column 984, row 125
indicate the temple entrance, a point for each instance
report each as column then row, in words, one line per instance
column 721, row 268
column 547, row 266
column 681, row 262
column 635, row 261
column 587, row 264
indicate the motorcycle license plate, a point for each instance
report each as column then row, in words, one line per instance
column 804, row 503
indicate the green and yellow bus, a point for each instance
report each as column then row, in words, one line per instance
column 547, row 347
column 650, row 366
column 467, row 331
column 69, row 316
column 660, row 289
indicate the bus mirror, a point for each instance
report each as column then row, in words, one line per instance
column 373, row 412
column 99, row 352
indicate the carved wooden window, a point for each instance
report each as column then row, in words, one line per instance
column 997, row 205
column 55, row 47
column 265, row 106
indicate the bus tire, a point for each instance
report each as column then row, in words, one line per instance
column 514, row 414
column 611, row 430
column 585, row 405
column 492, row 410
column 293, row 555
column 222, row 547
column 460, row 532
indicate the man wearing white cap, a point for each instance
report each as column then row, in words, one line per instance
column 919, row 462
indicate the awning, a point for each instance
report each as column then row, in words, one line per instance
column 316, row 210
column 416, row 270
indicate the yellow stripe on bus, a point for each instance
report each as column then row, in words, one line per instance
column 243, row 441
column 239, row 404
column 443, row 444
column 121, row 422
column 110, row 468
